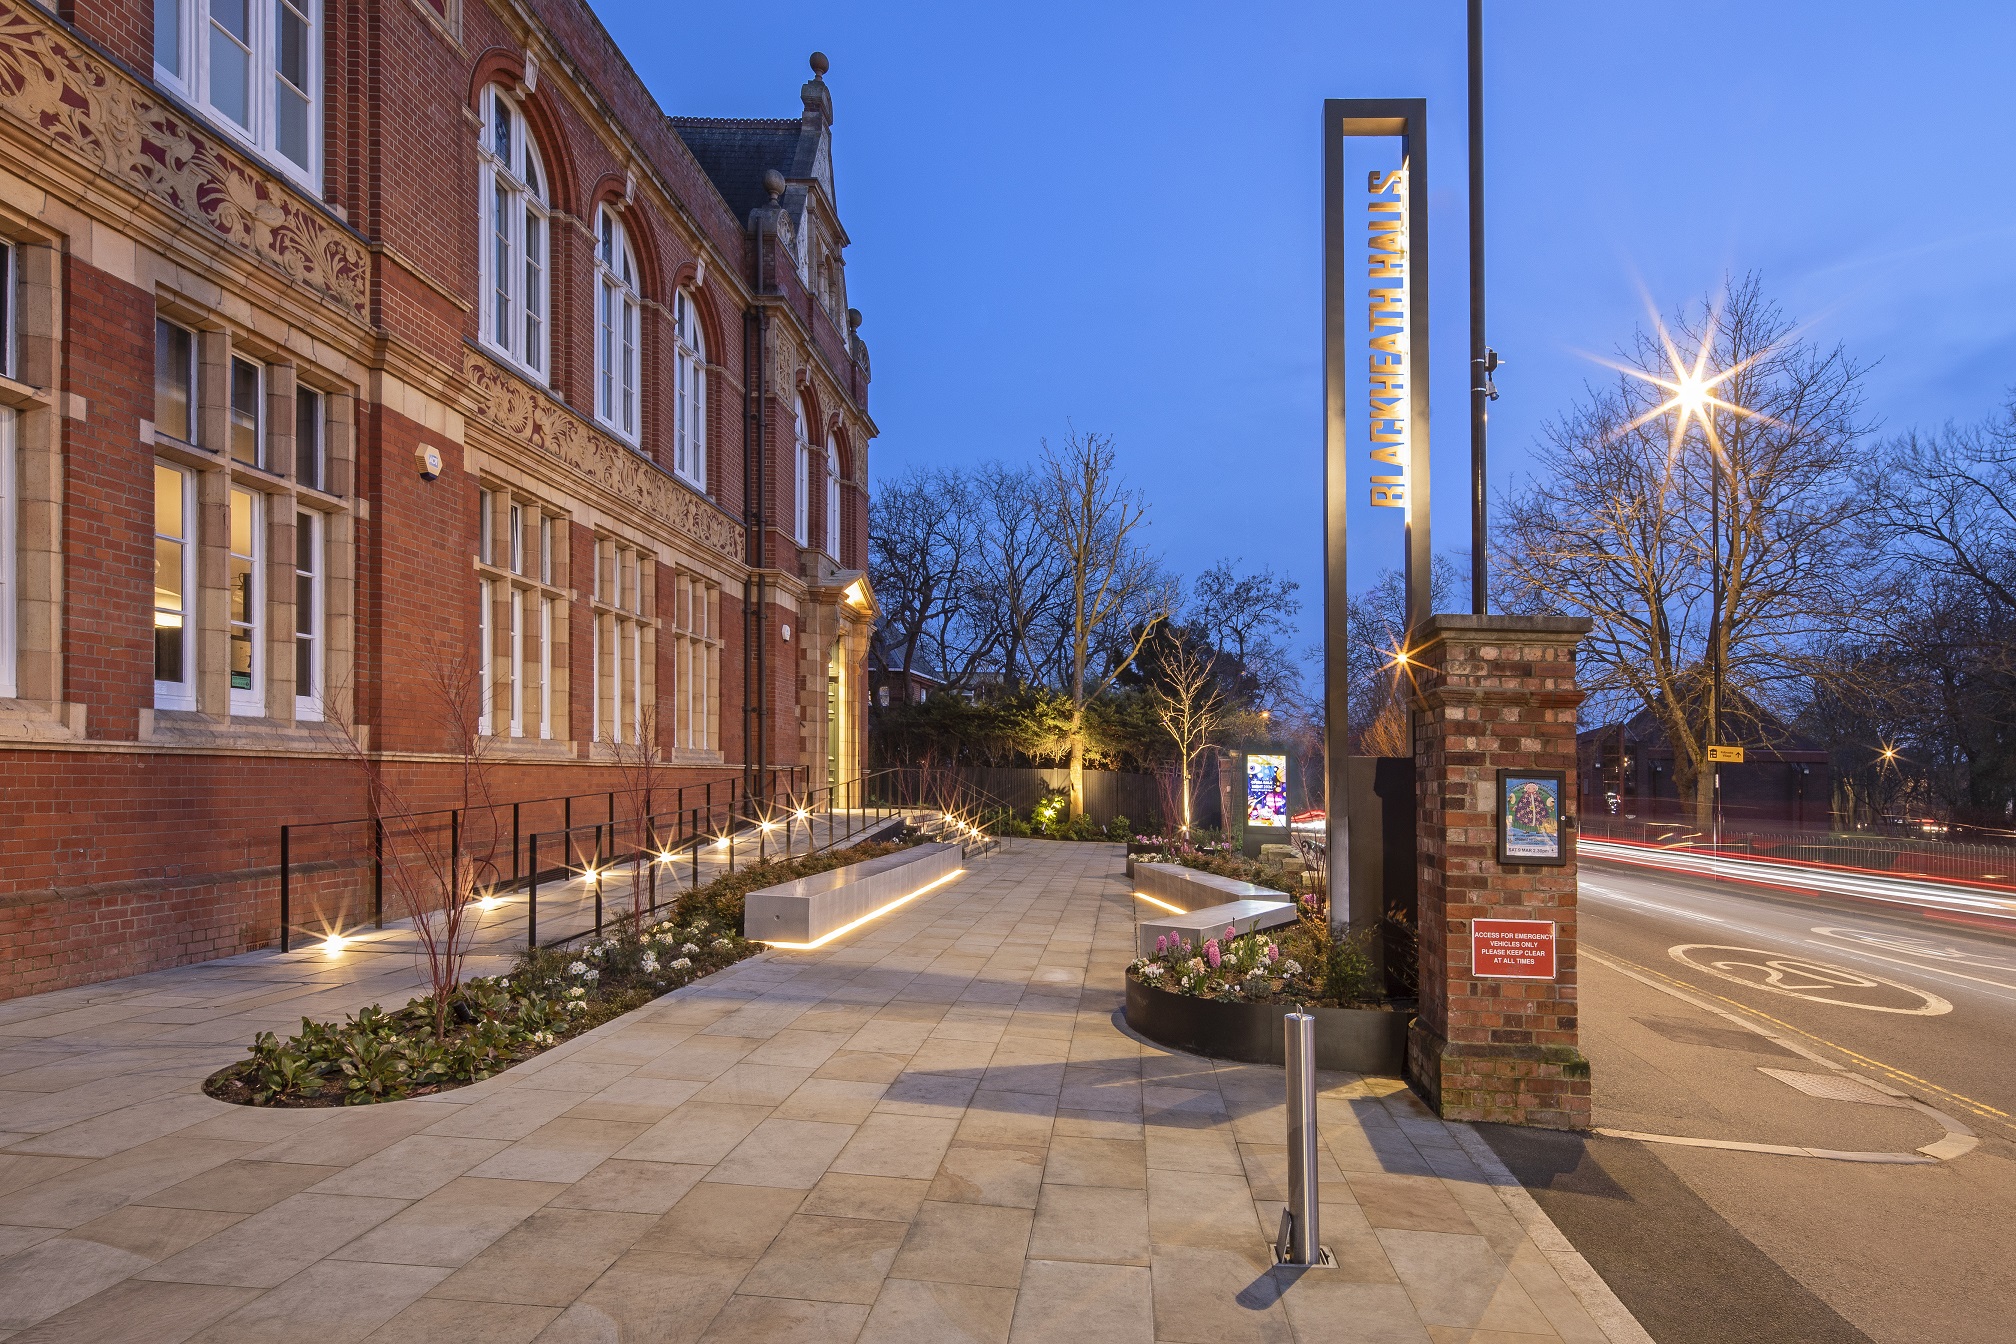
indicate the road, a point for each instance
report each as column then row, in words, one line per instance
column 1691, row 990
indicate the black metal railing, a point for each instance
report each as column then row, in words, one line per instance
column 644, row 848
column 332, row 874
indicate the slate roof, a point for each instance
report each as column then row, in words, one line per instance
column 735, row 152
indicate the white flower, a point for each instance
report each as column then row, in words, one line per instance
column 721, row 943
column 598, row 949
column 1152, row 972
column 1253, row 973
column 699, row 924
column 1290, row 966
column 576, row 1005
column 650, row 963
column 690, row 948
column 576, row 992
column 1196, row 965
column 578, row 968
column 682, row 963
column 592, row 976
column 503, row 984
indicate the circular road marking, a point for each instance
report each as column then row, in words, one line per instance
column 1802, row 978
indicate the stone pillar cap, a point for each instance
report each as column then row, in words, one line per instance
column 1454, row 623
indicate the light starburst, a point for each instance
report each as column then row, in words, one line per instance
column 1695, row 391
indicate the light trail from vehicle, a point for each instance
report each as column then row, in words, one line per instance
column 1929, row 897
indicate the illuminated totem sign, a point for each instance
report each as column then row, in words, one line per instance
column 1392, row 245
column 1386, row 330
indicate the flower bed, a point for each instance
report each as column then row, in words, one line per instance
column 1305, row 963
column 552, row 994
column 1226, row 999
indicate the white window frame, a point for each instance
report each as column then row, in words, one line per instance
column 308, row 700
column 311, row 447
column 513, row 188
column 545, row 669
column 190, row 383
column 191, row 24
column 618, row 328
column 801, row 509
column 249, row 702
column 258, row 412
column 517, row 662
column 832, row 537
column 182, row 694
column 10, row 508
column 689, row 420
column 486, row 658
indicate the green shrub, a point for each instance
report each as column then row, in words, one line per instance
column 552, row 993
column 1119, row 829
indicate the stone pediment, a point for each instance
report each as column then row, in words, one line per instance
column 515, row 408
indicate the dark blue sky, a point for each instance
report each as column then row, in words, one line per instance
column 1108, row 214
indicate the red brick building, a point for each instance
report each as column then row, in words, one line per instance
column 379, row 335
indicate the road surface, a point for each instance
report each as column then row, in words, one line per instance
column 1844, row 1075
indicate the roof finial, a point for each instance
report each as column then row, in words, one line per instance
column 820, row 65
column 773, row 182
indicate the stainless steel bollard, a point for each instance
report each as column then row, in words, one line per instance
column 1301, row 1221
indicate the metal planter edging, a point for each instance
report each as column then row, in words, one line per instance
column 1350, row 1040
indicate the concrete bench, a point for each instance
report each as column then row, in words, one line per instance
column 807, row 909
column 1190, row 889
column 1211, row 922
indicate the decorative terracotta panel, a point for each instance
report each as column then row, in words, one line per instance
column 535, row 419
column 95, row 113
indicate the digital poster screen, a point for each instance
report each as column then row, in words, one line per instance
column 1267, row 791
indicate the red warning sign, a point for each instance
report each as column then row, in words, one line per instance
column 1511, row 949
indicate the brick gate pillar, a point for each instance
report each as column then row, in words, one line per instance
column 1494, row 693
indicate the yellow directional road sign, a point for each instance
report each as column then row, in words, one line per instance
column 1726, row 755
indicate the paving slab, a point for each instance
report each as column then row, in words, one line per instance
column 937, row 1128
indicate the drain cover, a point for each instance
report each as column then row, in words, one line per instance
column 1833, row 1087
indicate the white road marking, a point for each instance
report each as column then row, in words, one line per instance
column 1795, row 977
column 1913, row 947
column 1958, row 1142
column 1929, row 970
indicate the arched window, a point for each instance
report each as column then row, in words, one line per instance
column 832, row 497
column 515, row 272
column 689, row 420
column 801, row 517
column 615, row 327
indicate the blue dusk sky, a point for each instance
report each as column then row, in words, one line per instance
column 1107, row 215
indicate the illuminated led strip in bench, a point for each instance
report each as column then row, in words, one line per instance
column 828, row 937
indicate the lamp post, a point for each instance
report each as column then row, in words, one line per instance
column 1482, row 358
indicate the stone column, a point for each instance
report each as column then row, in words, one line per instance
column 1491, row 693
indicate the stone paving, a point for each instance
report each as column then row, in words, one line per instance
column 935, row 1129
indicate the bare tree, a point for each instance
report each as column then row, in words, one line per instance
column 640, row 765
column 1022, row 579
column 1251, row 617
column 924, row 539
column 439, row 871
column 1117, row 589
column 1189, row 704
column 1701, row 510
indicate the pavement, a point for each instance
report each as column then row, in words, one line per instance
column 934, row 1129
column 1859, row 1190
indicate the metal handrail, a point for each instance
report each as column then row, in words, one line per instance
column 652, row 847
column 455, row 816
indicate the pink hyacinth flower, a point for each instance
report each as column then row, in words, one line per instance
column 1273, row 952
column 1161, row 944
column 1211, row 953
column 1230, row 933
